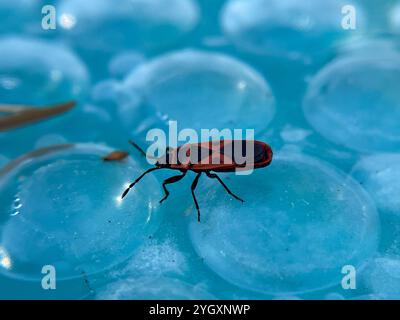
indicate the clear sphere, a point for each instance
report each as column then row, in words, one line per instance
column 161, row 288
column 288, row 28
column 381, row 277
column 301, row 222
column 108, row 26
column 368, row 46
column 355, row 102
column 199, row 90
column 156, row 258
column 394, row 18
column 62, row 207
column 334, row 296
column 380, row 175
column 37, row 72
column 123, row 63
column 19, row 15
column 40, row 73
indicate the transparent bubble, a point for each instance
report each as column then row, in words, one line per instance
column 152, row 288
column 19, row 289
column 62, row 207
column 380, row 176
column 199, row 90
column 372, row 297
column 301, row 222
column 40, row 73
column 18, row 15
column 294, row 135
column 354, row 102
column 382, row 277
column 286, row 298
column 107, row 26
column 367, row 46
column 334, row 296
column 37, row 72
column 394, row 18
column 378, row 12
column 156, row 259
column 287, row 28
column 49, row 140
column 122, row 63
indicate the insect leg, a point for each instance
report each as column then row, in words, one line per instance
column 193, row 187
column 137, row 180
column 215, row 176
column 169, row 181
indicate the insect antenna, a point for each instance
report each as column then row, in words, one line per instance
column 136, row 146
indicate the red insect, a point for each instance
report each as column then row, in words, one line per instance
column 206, row 154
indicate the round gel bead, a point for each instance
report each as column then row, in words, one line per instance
column 372, row 297
column 287, row 28
column 380, row 176
column 334, row 296
column 63, row 208
column 378, row 21
column 156, row 258
column 49, row 140
column 19, row 15
column 20, row 289
column 122, row 63
column 394, row 18
column 107, row 26
column 282, row 298
column 159, row 288
column 37, row 72
column 40, row 73
column 301, row 222
column 199, row 90
column 354, row 102
column 381, row 277
column 368, row 46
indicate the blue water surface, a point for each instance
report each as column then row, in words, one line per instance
column 326, row 98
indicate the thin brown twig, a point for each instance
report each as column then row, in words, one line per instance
column 23, row 115
column 33, row 154
column 13, row 108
